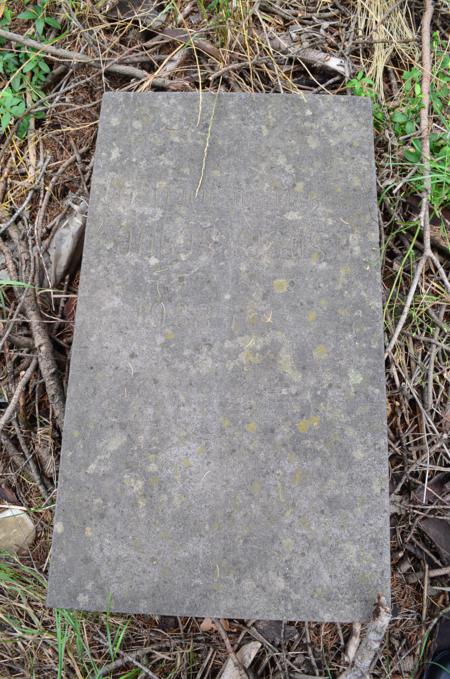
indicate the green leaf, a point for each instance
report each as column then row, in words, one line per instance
column 18, row 109
column 410, row 127
column 17, row 82
column 399, row 117
column 15, row 284
column 417, row 89
column 45, row 68
column 53, row 23
column 39, row 23
column 438, row 104
column 27, row 15
column 412, row 156
column 29, row 66
column 5, row 120
column 23, row 128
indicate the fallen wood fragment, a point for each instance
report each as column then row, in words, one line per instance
column 287, row 46
column 370, row 645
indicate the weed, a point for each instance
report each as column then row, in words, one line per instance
column 24, row 69
column 6, row 283
column 404, row 120
column 362, row 86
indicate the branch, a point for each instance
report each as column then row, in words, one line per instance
column 67, row 55
column 427, row 254
column 12, row 405
column 369, row 647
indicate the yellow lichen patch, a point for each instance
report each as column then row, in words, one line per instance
column 296, row 477
column 252, row 318
column 312, row 316
column 359, row 453
column 256, row 487
column 304, row 425
column 288, row 544
column 280, row 285
column 169, row 334
column 251, row 427
column 315, row 257
column 187, row 463
column 320, row 352
column 201, row 450
column 344, row 273
column 280, row 491
column 153, row 481
column 225, row 422
column 250, row 358
column 355, row 377
column 286, row 364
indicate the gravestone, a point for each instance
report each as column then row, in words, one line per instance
column 224, row 447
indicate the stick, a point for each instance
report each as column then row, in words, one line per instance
column 239, row 666
column 371, row 643
column 68, row 55
column 12, row 405
column 353, row 642
column 42, row 341
column 425, row 208
column 125, row 658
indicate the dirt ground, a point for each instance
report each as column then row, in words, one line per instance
column 56, row 61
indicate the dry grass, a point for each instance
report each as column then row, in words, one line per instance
column 240, row 46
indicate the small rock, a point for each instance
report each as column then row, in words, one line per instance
column 16, row 529
column 167, row 622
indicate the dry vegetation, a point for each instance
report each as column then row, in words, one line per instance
column 46, row 153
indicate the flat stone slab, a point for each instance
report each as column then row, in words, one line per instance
column 224, row 447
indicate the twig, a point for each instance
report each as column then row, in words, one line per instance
column 310, row 650
column 47, row 363
column 425, row 208
column 426, row 581
column 353, row 642
column 433, row 352
column 125, row 659
column 12, row 405
column 371, row 643
column 239, row 666
column 208, row 138
column 77, row 57
column 20, row 460
column 22, row 207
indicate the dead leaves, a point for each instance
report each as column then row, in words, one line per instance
column 208, row 625
column 245, row 656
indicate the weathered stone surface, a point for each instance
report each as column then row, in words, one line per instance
column 224, row 449
column 17, row 530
